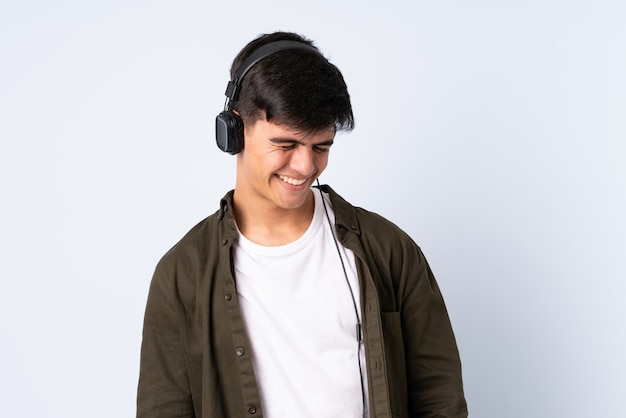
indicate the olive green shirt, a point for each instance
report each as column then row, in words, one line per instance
column 195, row 355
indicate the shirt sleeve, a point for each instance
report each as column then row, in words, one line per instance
column 434, row 380
column 163, row 389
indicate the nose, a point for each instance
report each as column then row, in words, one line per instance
column 302, row 160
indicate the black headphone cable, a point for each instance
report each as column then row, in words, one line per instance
column 359, row 329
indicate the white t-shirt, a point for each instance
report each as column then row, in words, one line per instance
column 301, row 321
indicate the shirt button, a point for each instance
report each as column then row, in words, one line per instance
column 252, row 410
column 228, row 296
column 353, row 226
column 239, row 351
column 224, row 241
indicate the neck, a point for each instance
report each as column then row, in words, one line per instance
column 269, row 225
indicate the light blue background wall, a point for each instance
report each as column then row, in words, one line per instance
column 494, row 132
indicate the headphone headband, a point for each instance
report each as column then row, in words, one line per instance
column 229, row 130
column 234, row 85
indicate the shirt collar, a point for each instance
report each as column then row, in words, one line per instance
column 345, row 215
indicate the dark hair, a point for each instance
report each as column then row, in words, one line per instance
column 295, row 87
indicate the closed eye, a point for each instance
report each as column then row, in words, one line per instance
column 322, row 148
column 284, row 144
column 289, row 144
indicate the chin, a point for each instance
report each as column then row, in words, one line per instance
column 293, row 202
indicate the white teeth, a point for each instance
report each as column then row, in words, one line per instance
column 292, row 181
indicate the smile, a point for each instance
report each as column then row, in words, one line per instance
column 291, row 181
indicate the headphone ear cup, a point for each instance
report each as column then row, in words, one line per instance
column 229, row 132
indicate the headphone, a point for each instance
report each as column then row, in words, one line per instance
column 228, row 125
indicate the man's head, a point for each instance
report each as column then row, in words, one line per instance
column 292, row 101
column 295, row 87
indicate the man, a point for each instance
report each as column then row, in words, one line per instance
column 288, row 301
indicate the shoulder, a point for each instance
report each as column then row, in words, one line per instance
column 386, row 242
column 200, row 247
column 370, row 226
column 195, row 241
column 179, row 269
column 391, row 255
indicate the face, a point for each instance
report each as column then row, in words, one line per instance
column 278, row 165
